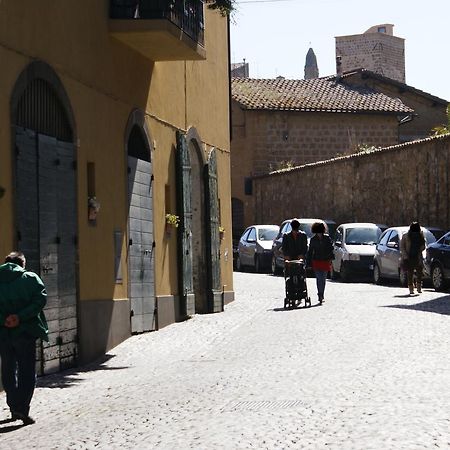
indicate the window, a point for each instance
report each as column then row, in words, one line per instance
column 252, row 235
column 245, row 235
column 381, row 29
column 248, row 186
column 267, row 234
column 447, row 240
column 359, row 236
column 394, row 237
column 384, row 238
column 286, row 228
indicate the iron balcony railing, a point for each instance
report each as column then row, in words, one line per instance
column 185, row 14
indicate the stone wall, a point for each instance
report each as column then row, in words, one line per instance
column 265, row 140
column 394, row 185
column 378, row 52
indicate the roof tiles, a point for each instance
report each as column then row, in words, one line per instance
column 318, row 94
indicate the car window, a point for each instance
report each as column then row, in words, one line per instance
column 306, row 227
column 362, row 236
column 384, row 238
column 429, row 237
column 252, row 235
column 394, row 237
column 446, row 240
column 245, row 235
column 267, row 234
column 286, row 227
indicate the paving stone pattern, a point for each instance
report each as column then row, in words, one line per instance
column 370, row 369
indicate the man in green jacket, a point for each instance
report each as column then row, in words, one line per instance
column 22, row 321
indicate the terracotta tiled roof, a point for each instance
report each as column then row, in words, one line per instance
column 403, row 86
column 318, row 94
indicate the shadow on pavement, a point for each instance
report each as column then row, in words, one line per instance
column 9, row 428
column 294, row 309
column 439, row 305
column 70, row 377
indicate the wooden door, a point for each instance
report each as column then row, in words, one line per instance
column 141, row 246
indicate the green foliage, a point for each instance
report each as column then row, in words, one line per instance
column 443, row 129
column 225, row 7
column 282, row 165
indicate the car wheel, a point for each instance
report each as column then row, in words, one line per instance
column 403, row 278
column 239, row 264
column 437, row 278
column 344, row 273
column 274, row 267
column 376, row 274
column 257, row 264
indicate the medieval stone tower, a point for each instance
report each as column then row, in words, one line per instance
column 377, row 50
column 311, row 68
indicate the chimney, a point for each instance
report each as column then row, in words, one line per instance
column 338, row 68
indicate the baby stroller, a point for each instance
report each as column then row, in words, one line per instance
column 295, row 284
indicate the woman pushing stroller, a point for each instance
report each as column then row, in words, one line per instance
column 319, row 256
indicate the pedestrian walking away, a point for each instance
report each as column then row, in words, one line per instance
column 411, row 247
column 295, row 243
column 319, row 256
column 22, row 322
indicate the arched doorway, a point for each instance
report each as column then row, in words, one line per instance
column 141, row 280
column 199, row 242
column 43, row 135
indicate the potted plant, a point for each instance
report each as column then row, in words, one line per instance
column 225, row 7
column 172, row 221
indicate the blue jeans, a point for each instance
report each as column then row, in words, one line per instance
column 19, row 371
column 321, row 278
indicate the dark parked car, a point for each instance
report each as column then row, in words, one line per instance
column 255, row 247
column 387, row 255
column 437, row 232
column 438, row 262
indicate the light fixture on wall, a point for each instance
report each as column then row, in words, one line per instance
column 285, row 135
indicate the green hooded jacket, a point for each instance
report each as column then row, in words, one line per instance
column 22, row 293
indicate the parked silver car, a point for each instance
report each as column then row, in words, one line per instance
column 255, row 247
column 387, row 255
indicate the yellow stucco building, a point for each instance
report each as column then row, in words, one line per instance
column 115, row 121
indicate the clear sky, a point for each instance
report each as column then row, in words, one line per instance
column 274, row 36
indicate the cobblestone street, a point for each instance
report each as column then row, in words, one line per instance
column 370, row 369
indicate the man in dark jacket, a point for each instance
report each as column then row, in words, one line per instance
column 22, row 321
column 295, row 243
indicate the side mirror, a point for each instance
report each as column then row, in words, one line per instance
column 338, row 243
column 392, row 244
column 251, row 241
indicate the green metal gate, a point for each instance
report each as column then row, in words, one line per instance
column 184, row 208
column 213, row 237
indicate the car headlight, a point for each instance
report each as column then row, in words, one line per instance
column 353, row 256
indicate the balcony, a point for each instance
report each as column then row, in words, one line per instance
column 161, row 30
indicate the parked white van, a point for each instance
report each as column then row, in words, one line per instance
column 354, row 249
